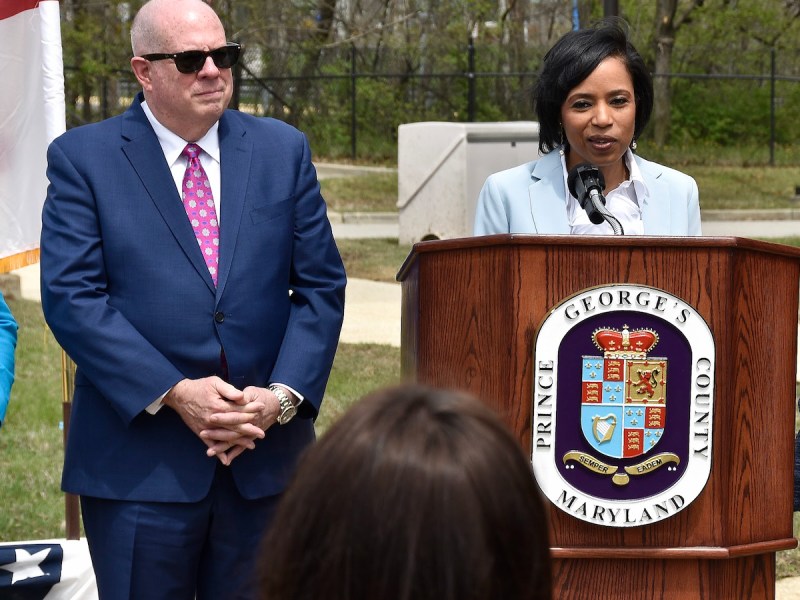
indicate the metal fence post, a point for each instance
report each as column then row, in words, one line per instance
column 353, row 122
column 772, row 108
column 471, row 79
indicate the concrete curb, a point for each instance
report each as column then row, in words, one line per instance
column 744, row 215
column 363, row 218
column 772, row 214
column 325, row 170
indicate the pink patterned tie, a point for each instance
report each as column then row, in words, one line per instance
column 199, row 204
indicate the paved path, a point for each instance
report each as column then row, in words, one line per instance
column 788, row 589
column 386, row 226
column 759, row 229
column 371, row 313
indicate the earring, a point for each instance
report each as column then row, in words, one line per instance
column 561, row 139
column 634, row 145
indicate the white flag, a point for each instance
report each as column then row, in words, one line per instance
column 31, row 114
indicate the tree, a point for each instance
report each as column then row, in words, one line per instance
column 717, row 38
column 412, row 57
column 96, row 48
column 667, row 24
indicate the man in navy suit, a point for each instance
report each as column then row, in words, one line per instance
column 197, row 337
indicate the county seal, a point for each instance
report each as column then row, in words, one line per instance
column 623, row 405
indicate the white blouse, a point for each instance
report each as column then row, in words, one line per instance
column 622, row 202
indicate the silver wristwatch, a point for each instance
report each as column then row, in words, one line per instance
column 288, row 409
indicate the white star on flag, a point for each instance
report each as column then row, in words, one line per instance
column 27, row 565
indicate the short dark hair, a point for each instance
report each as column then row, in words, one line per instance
column 414, row 494
column 571, row 60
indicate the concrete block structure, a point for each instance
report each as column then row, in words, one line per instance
column 442, row 167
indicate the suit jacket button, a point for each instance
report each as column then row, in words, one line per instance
column 219, row 317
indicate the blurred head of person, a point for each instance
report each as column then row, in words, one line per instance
column 593, row 98
column 414, row 494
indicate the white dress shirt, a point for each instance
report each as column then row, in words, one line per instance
column 172, row 146
column 624, row 202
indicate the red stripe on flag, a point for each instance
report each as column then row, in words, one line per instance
column 9, row 8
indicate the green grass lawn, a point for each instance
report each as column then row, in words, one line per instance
column 373, row 192
column 31, row 444
column 739, row 188
column 788, row 241
column 376, row 259
column 728, row 185
column 734, row 177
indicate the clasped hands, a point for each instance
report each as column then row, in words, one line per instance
column 227, row 419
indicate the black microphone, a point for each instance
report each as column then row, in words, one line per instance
column 586, row 183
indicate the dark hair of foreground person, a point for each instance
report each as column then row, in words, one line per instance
column 414, row 494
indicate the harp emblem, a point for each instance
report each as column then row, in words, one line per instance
column 624, row 402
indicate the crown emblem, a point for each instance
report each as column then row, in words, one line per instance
column 624, row 344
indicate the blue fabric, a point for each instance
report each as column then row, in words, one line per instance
column 129, row 297
column 8, row 344
column 531, row 198
column 204, row 550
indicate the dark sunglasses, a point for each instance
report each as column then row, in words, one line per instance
column 192, row 61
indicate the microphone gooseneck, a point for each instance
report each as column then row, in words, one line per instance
column 586, row 183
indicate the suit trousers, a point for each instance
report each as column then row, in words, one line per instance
column 178, row 551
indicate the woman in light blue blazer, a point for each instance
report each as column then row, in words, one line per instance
column 593, row 99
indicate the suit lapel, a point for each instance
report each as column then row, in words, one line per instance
column 145, row 155
column 547, row 195
column 236, row 153
column 656, row 215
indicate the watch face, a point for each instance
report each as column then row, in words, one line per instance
column 286, row 414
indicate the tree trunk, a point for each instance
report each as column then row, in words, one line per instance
column 667, row 26
column 664, row 43
column 326, row 10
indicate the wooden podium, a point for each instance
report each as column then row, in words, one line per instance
column 471, row 309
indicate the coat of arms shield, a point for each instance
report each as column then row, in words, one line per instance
column 623, row 393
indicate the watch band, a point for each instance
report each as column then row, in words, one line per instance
column 288, row 409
